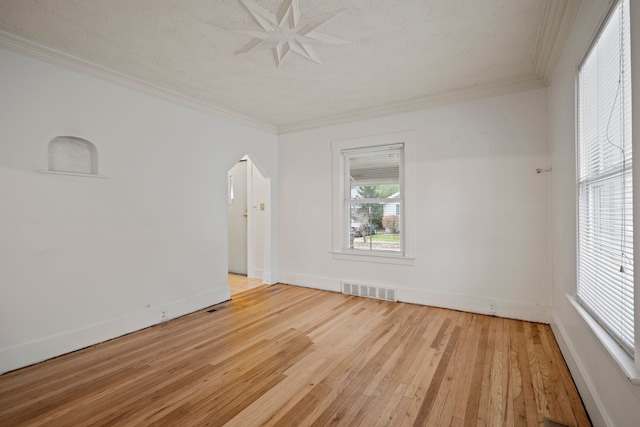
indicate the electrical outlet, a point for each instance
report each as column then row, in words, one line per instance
column 492, row 307
column 164, row 315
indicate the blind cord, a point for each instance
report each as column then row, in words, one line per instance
column 623, row 237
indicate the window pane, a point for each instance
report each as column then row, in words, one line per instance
column 374, row 168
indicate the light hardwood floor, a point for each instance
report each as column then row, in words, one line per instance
column 292, row 356
column 240, row 284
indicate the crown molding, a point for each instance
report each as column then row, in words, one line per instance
column 471, row 93
column 56, row 57
column 556, row 25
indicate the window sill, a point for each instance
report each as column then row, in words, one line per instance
column 86, row 175
column 623, row 360
column 381, row 258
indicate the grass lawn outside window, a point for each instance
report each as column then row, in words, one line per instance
column 380, row 241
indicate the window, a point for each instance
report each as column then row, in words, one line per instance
column 374, row 187
column 605, row 215
column 373, row 198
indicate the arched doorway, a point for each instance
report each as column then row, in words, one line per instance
column 249, row 225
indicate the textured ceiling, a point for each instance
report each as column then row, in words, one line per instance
column 399, row 53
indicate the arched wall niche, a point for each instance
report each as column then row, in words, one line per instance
column 70, row 154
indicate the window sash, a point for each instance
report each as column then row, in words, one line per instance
column 605, row 181
column 348, row 200
column 603, row 289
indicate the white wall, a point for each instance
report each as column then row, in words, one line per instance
column 482, row 211
column 258, row 204
column 87, row 259
column 609, row 397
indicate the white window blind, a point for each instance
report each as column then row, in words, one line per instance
column 373, row 197
column 605, row 216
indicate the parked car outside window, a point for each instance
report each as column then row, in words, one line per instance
column 359, row 230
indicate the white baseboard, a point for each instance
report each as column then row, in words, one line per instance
column 308, row 281
column 269, row 278
column 36, row 351
column 580, row 376
column 473, row 304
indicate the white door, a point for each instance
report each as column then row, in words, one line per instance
column 237, row 214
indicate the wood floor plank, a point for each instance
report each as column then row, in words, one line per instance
column 580, row 415
column 555, row 387
column 525, row 402
column 484, row 409
column 444, row 401
column 436, row 382
column 425, row 375
column 283, row 355
column 464, row 375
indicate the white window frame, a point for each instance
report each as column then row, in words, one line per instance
column 628, row 366
column 341, row 221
